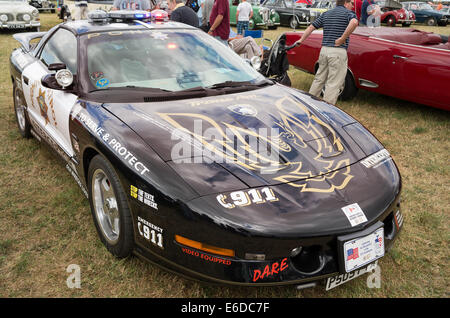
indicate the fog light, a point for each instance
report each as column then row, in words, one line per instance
column 26, row 17
column 308, row 260
column 3, row 18
column 296, row 251
column 64, row 78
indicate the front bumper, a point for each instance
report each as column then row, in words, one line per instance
column 20, row 25
column 321, row 258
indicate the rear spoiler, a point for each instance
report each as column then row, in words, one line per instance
column 25, row 38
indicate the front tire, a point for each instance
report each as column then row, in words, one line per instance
column 431, row 22
column 109, row 207
column 21, row 116
column 293, row 23
column 390, row 21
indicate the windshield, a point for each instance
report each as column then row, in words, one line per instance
column 425, row 6
column 3, row 1
column 321, row 4
column 172, row 60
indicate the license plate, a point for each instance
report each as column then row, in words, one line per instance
column 361, row 251
column 16, row 26
column 337, row 280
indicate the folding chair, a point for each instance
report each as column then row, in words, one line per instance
column 258, row 34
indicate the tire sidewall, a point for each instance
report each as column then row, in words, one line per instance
column 125, row 243
column 26, row 131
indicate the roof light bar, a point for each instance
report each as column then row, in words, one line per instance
column 123, row 15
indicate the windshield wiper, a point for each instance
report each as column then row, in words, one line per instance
column 147, row 89
column 227, row 84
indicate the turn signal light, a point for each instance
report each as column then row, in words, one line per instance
column 204, row 247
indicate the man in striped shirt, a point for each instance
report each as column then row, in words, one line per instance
column 337, row 25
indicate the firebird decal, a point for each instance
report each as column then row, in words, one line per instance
column 296, row 125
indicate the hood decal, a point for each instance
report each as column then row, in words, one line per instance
column 310, row 154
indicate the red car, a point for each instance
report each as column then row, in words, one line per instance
column 403, row 63
column 393, row 13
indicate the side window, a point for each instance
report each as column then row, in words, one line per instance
column 61, row 48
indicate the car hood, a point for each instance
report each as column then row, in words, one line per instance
column 269, row 136
column 16, row 7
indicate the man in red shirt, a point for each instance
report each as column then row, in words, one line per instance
column 220, row 21
column 358, row 4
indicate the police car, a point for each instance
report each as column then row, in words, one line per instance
column 193, row 160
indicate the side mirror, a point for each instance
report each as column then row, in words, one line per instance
column 56, row 66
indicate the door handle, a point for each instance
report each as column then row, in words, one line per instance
column 25, row 80
column 400, row 57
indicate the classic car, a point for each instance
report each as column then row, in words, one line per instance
column 43, row 5
column 403, row 63
column 290, row 14
column 262, row 17
column 208, row 168
column 393, row 13
column 323, row 5
column 18, row 14
column 426, row 14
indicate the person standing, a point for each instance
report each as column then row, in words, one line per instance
column 131, row 5
column 220, row 21
column 82, row 9
column 337, row 24
column 367, row 9
column 206, row 12
column 244, row 13
column 182, row 13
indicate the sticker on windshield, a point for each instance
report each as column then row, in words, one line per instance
column 158, row 36
column 97, row 75
column 103, row 82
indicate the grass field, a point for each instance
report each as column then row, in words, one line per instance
column 46, row 225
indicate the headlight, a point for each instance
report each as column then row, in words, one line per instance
column 35, row 13
column 3, row 18
column 303, row 15
column 26, row 17
column 401, row 15
column 272, row 12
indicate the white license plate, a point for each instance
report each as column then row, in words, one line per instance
column 16, row 26
column 361, row 251
column 343, row 278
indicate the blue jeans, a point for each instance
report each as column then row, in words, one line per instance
column 221, row 40
column 242, row 26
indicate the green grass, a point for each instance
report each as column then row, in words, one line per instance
column 46, row 225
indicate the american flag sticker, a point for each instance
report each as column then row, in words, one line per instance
column 352, row 254
column 354, row 214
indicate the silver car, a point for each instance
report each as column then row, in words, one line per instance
column 18, row 14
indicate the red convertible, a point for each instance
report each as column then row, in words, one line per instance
column 403, row 63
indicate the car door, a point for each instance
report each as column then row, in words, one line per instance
column 285, row 14
column 423, row 74
column 49, row 109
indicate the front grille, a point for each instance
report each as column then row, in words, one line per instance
column 264, row 12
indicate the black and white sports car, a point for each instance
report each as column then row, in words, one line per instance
column 193, row 160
